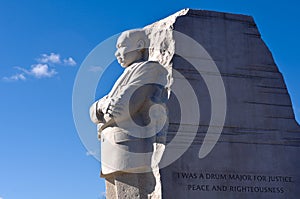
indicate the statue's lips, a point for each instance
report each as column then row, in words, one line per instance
column 120, row 60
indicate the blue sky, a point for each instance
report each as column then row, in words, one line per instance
column 42, row 45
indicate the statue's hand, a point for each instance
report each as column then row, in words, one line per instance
column 103, row 104
column 94, row 114
column 98, row 109
column 115, row 110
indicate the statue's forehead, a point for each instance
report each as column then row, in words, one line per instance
column 123, row 38
column 130, row 36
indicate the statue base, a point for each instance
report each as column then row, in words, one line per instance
column 133, row 186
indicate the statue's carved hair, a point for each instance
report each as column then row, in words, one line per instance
column 138, row 34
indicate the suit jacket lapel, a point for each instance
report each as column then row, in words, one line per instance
column 123, row 79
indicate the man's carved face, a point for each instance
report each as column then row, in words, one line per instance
column 127, row 51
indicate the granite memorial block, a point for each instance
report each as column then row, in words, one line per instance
column 257, row 152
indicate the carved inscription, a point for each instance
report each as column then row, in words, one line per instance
column 229, row 182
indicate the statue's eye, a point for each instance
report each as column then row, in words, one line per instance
column 119, row 45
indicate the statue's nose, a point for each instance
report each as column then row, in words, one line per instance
column 117, row 53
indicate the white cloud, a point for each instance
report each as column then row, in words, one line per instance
column 37, row 70
column 21, row 69
column 55, row 58
column 41, row 70
column 70, row 62
column 95, row 68
column 52, row 58
column 15, row 78
column 1, row 197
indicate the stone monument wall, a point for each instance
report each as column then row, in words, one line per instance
column 257, row 153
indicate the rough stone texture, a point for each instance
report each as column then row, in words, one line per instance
column 260, row 139
column 130, row 186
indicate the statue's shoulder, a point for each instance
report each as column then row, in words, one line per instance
column 152, row 63
column 148, row 68
column 152, row 66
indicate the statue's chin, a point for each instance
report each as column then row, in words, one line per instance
column 123, row 65
column 127, row 63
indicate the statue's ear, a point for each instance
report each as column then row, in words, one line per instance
column 140, row 44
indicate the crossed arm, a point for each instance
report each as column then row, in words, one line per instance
column 113, row 109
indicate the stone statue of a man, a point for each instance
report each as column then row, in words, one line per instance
column 132, row 117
